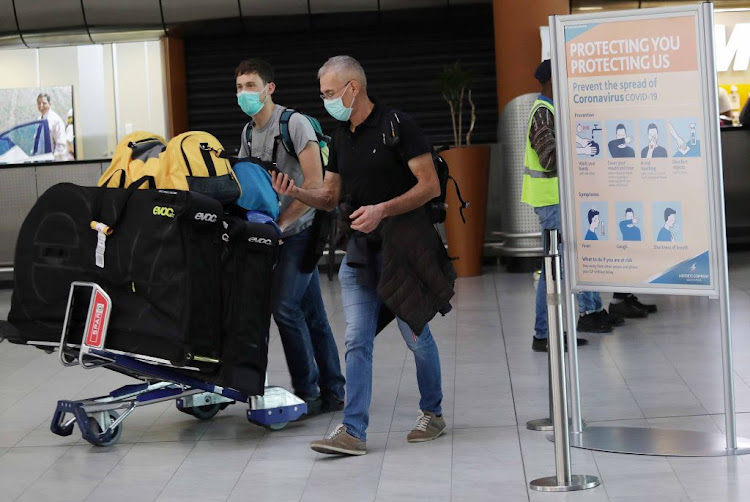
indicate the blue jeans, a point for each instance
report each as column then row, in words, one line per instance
column 588, row 301
column 361, row 308
column 299, row 312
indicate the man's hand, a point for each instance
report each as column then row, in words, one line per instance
column 282, row 184
column 367, row 218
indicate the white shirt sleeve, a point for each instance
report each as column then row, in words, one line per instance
column 58, row 136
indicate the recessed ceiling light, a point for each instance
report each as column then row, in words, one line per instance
column 590, row 8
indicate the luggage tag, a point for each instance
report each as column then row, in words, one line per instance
column 102, row 231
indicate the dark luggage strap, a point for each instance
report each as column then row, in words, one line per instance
column 97, row 207
column 206, row 154
column 121, row 184
column 463, row 204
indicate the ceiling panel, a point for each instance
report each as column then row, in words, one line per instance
column 412, row 4
column 186, row 11
column 330, row 6
column 9, row 36
column 253, row 8
column 110, row 21
column 51, row 22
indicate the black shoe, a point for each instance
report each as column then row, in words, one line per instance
column 627, row 310
column 614, row 320
column 330, row 402
column 314, row 405
column 580, row 342
column 540, row 344
column 633, row 300
column 593, row 323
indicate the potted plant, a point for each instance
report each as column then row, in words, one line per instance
column 469, row 165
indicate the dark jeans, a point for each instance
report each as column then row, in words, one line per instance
column 311, row 353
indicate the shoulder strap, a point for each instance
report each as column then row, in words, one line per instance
column 286, row 136
column 390, row 132
column 249, row 133
column 463, row 204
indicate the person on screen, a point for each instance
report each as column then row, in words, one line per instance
column 593, row 225
column 618, row 148
column 56, row 128
column 653, row 150
column 70, row 134
column 665, row 234
column 628, row 228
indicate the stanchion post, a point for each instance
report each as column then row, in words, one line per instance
column 564, row 481
column 544, row 424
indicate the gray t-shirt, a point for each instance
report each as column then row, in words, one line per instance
column 262, row 148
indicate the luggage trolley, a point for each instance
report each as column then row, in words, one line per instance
column 99, row 418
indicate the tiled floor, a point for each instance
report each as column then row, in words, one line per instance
column 663, row 372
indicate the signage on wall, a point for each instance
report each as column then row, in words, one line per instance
column 734, row 45
column 636, row 110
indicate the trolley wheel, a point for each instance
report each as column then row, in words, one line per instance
column 97, row 429
column 277, row 426
column 204, row 412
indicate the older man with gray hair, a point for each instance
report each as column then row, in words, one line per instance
column 383, row 187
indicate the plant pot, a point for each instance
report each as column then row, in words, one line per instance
column 470, row 166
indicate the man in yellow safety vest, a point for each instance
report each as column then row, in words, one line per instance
column 540, row 190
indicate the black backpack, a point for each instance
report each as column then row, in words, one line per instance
column 437, row 206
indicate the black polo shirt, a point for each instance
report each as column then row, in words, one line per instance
column 371, row 171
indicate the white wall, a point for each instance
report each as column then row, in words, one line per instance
column 139, row 83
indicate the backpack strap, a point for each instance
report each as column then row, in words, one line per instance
column 249, row 136
column 284, row 135
column 206, row 154
column 464, row 204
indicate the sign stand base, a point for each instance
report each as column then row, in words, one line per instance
column 577, row 482
column 658, row 442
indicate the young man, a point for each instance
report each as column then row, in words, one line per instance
column 311, row 352
column 540, row 190
column 386, row 187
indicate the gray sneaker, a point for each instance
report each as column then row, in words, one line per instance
column 428, row 427
column 340, row 442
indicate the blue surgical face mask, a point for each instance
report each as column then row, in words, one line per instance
column 336, row 109
column 250, row 101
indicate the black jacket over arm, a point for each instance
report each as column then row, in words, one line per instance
column 417, row 277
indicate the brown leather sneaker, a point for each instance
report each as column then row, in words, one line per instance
column 428, row 427
column 340, row 442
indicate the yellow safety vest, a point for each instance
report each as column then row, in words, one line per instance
column 539, row 184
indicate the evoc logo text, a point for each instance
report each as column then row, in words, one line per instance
column 209, row 217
